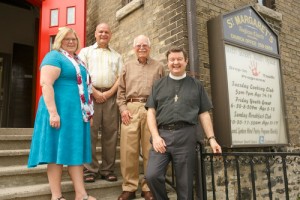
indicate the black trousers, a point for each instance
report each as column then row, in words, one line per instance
column 181, row 151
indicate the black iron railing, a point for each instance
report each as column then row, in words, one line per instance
column 246, row 175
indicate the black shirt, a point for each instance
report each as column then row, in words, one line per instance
column 178, row 100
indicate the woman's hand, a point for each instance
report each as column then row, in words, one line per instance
column 91, row 122
column 54, row 120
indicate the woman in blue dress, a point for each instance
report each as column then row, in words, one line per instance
column 61, row 133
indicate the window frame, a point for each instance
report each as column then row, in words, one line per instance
column 267, row 3
column 125, row 2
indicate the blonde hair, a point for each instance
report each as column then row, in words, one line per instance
column 62, row 32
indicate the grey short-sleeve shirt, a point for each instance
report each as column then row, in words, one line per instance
column 178, row 100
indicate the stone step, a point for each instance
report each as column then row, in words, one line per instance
column 13, row 141
column 14, row 176
column 13, row 157
column 20, row 156
column 16, row 131
column 19, row 182
column 20, row 175
column 100, row 189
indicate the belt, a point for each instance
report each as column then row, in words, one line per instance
column 174, row 126
column 102, row 89
column 141, row 99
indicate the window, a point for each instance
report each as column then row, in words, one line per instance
column 267, row 3
column 71, row 15
column 52, row 38
column 54, row 17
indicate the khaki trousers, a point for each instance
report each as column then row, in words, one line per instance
column 106, row 119
column 134, row 137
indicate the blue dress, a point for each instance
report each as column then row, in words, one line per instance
column 71, row 143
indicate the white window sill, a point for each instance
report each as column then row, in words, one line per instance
column 128, row 8
column 263, row 10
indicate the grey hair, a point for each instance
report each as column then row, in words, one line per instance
column 135, row 40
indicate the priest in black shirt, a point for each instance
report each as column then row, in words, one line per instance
column 176, row 105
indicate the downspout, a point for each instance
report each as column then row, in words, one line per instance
column 192, row 38
column 191, row 12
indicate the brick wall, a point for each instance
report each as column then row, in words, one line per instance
column 163, row 21
column 91, row 20
column 289, row 38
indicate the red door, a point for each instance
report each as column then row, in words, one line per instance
column 55, row 14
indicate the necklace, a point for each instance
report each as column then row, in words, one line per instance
column 86, row 105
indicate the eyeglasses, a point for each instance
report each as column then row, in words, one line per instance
column 141, row 46
column 70, row 39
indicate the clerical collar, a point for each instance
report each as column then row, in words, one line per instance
column 177, row 77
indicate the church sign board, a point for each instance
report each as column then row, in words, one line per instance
column 246, row 81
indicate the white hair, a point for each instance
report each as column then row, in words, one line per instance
column 141, row 36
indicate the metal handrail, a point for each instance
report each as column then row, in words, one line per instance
column 210, row 164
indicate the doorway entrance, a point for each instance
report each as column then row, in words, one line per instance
column 20, row 111
column 24, row 44
column 16, row 76
column 18, row 61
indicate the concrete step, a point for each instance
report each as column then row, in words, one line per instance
column 19, row 182
column 15, row 138
column 22, row 140
column 16, row 131
column 20, row 156
column 15, row 176
column 13, row 142
column 13, row 157
column 100, row 189
column 20, row 175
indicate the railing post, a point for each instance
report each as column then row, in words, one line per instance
column 286, row 184
column 200, row 174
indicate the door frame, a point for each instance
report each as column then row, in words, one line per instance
column 46, row 31
column 6, row 87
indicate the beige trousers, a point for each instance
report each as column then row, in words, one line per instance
column 134, row 137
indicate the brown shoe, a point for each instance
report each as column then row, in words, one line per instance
column 126, row 195
column 147, row 195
